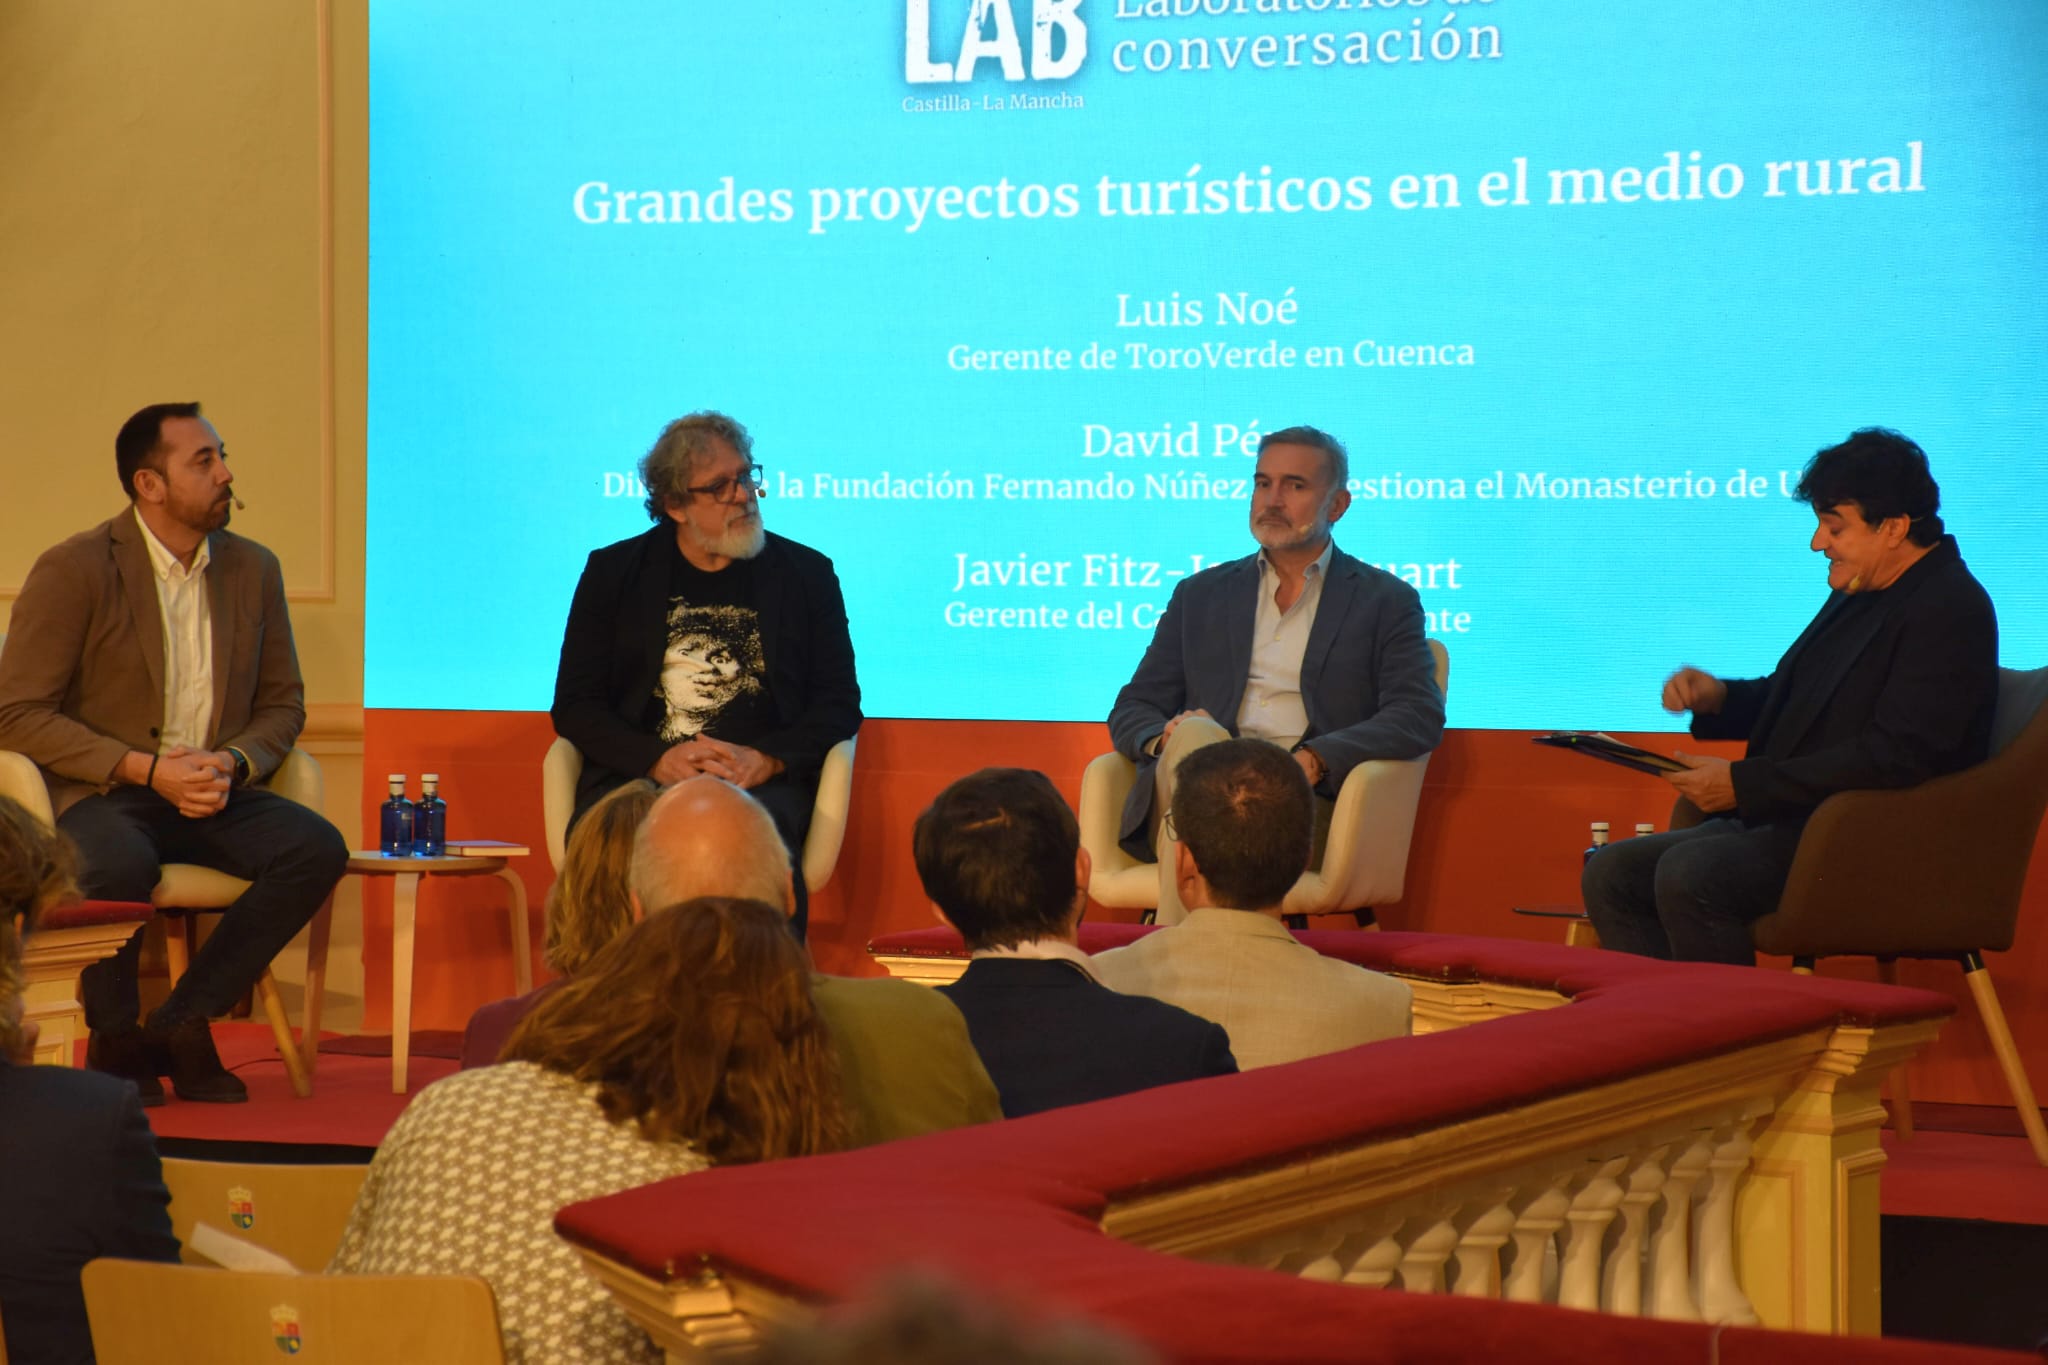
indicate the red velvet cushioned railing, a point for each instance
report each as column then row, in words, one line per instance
column 82, row 913
column 1572, row 972
column 1017, row 1202
column 823, row 1228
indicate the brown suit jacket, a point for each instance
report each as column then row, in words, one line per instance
column 82, row 674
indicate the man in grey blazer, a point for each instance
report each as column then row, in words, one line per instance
column 1300, row 645
column 1245, row 819
column 149, row 672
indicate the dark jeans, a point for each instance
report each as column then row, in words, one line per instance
column 1689, row 894
column 291, row 856
column 789, row 804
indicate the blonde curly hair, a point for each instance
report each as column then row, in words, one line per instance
column 37, row 871
column 590, row 903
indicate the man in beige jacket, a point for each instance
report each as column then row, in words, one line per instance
column 149, row 673
column 1244, row 817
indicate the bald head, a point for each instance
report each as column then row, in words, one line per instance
column 706, row 837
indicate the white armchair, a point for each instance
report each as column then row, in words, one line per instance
column 1365, row 859
column 184, row 889
column 563, row 764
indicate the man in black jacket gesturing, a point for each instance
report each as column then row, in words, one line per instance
column 1892, row 683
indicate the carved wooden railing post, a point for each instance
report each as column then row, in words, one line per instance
column 1715, row 1284
column 1670, row 1259
column 1486, row 1229
column 1376, row 1253
column 1808, row 1214
column 1539, row 1213
column 1591, row 1210
column 1621, row 1285
column 1422, row 1267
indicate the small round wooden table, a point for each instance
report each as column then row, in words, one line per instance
column 405, row 871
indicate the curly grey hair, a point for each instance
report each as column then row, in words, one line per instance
column 665, row 469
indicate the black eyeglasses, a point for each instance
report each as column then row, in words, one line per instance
column 752, row 479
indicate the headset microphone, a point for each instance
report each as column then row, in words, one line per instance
column 240, row 506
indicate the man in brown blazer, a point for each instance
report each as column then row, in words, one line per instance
column 149, row 672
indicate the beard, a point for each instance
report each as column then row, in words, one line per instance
column 743, row 538
column 203, row 517
column 1280, row 534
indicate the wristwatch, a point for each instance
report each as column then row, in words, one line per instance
column 241, row 767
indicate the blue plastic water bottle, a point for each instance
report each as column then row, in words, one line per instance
column 430, row 819
column 395, row 818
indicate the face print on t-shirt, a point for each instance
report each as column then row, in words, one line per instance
column 713, row 661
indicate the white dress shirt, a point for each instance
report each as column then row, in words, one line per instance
column 1272, row 708
column 188, row 642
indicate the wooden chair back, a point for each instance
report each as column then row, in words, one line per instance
column 297, row 1211
column 145, row 1313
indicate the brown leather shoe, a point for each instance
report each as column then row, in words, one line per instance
column 194, row 1065
column 124, row 1052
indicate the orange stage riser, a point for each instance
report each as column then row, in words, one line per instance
column 1502, row 823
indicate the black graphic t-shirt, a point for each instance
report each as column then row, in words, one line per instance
column 714, row 677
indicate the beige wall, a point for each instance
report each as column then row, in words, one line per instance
column 182, row 215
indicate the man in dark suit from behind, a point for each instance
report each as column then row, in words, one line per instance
column 1000, row 855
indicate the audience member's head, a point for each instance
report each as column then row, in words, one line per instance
column 1000, row 855
column 706, row 837
column 921, row 1321
column 698, row 1024
column 36, row 870
column 1246, row 818
column 591, row 902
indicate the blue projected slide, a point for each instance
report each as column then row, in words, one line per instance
column 1007, row 289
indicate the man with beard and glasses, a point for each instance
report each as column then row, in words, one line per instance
column 150, row 674
column 1300, row 645
column 707, row 644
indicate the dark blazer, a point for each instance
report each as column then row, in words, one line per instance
column 1894, row 697
column 612, row 648
column 1367, row 679
column 79, row 1178
column 1051, row 1036
column 82, row 679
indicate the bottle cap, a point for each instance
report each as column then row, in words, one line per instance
column 1600, row 826
column 396, row 777
column 430, row 777
column 1645, row 827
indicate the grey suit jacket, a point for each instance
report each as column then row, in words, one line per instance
column 1367, row 679
column 1277, row 998
column 82, row 674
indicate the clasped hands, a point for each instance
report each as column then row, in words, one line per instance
column 1706, row 782
column 701, row 754
column 196, row 781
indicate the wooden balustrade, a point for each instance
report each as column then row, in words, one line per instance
column 1732, row 1184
